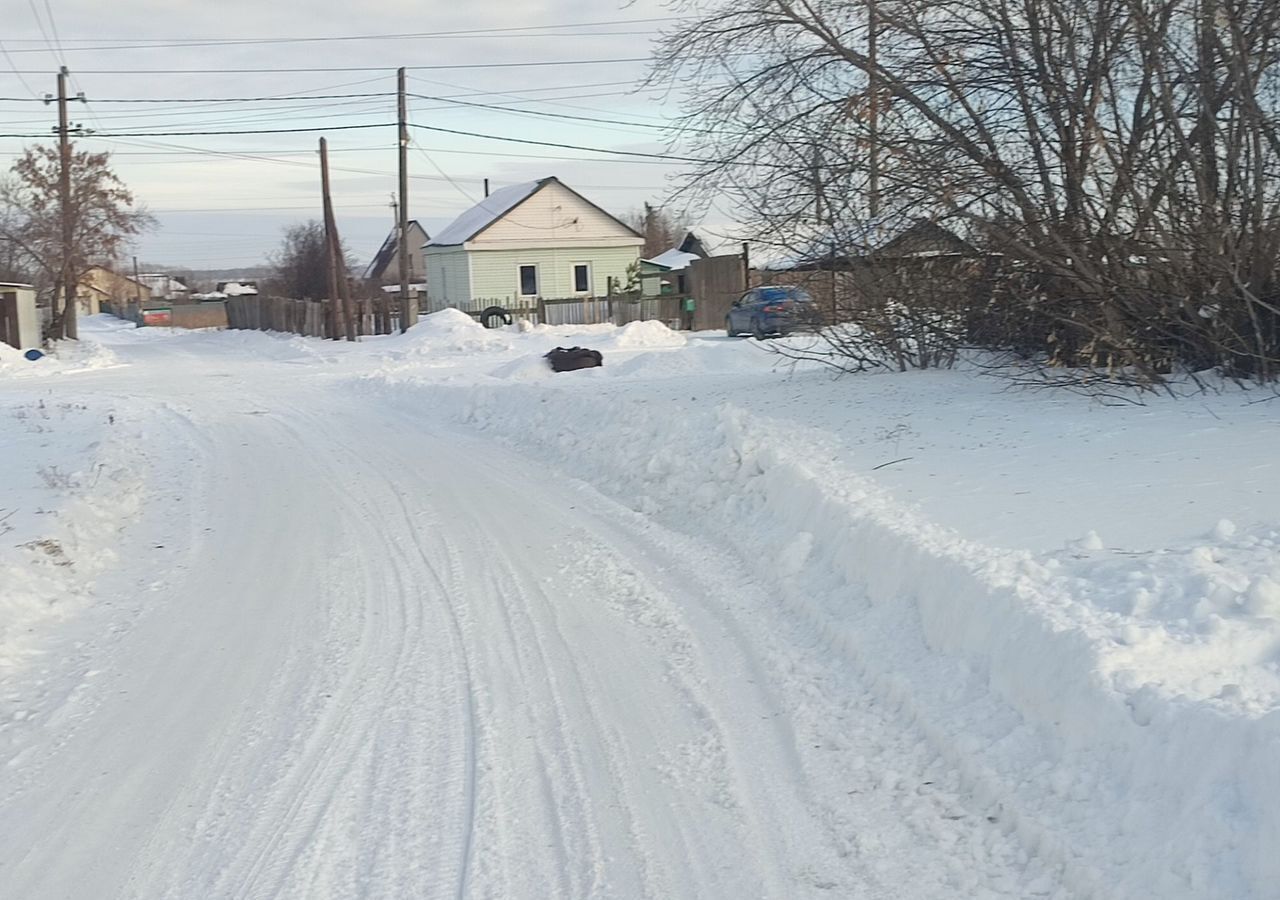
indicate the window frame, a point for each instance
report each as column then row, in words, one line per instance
column 537, row 280
column 573, row 277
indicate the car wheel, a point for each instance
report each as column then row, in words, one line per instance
column 758, row 330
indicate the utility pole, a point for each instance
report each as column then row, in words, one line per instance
column 137, row 283
column 486, row 188
column 333, row 246
column 408, row 306
column 69, row 326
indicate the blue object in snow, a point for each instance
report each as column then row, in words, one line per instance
column 33, row 355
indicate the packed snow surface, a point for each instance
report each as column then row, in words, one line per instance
column 417, row 617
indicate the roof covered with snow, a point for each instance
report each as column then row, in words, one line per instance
column 673, row 259
column 486, row 212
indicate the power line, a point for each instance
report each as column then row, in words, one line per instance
column 219, row 133
column 534, row 112
column 424, row 36
column 14, row 68
column 496, row 137
column 48, row 44
column 436, row 128
column 306, row 69
column 505, row 32
column 304, row 96
column 53, row 26
column 519, row 95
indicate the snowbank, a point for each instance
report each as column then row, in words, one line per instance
column 448, row 331
column 645, row 336
column 1120, row 711
column 71, row 484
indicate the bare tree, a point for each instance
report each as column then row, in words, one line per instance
column 1120, row 155
column 662, row 229
column 103, row 216
column 301, row 264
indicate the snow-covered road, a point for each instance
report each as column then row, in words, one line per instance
column 351, row 651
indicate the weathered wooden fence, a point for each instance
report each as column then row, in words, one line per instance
column 576, row 311
column 313, row 318
column 665, row 309
column 715, row 283
column 618, row 309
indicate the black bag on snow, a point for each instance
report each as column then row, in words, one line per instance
column 564, row 359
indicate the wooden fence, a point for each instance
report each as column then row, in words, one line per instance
column 618, row 309
column 313, row 318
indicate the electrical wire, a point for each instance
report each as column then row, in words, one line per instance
column 535, row 112
column 515, row 140
column 500, row 32
column 302, row 95
column 307, row 69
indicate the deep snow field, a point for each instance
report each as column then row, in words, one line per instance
column 1006, row 643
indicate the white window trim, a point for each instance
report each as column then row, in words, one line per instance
column 573, row 279
column 537, row 280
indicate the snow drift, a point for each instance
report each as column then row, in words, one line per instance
column 1120, row 712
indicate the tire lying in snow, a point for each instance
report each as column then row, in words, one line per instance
column 495, row 316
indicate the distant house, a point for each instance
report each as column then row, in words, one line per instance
column 914, row 239
column 385, row 267
column 165, row 287
column 238, row 288
column 99, row 285
column 531, row 240
column 665, row 273
column 915, row 261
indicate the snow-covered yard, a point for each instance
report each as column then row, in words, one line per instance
column 418, row 617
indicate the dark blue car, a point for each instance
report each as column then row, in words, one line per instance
column 770, row 311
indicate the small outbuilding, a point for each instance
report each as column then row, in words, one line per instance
column 19, row 318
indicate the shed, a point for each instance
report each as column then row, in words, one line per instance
column 19, row 319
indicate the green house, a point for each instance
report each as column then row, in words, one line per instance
column 540, row 239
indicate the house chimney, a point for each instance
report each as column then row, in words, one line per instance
column 486, row 187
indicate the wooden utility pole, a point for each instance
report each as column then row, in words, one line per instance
column 408, row 305
column 486, row 187
column 342, row 325
column 69, row 327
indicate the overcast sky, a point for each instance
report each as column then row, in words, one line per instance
column 222, row 200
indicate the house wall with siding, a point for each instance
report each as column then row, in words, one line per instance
column 555, row 217
column 448, row 277
column 495, row 273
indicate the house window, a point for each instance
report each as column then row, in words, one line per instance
column 528, row 281
column 582, row 278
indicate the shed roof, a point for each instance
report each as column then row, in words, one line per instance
column 674, row 259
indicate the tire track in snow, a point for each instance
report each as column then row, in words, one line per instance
column 515, row 587
column 446, row 590
column 306, row 804
column 413, row 566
